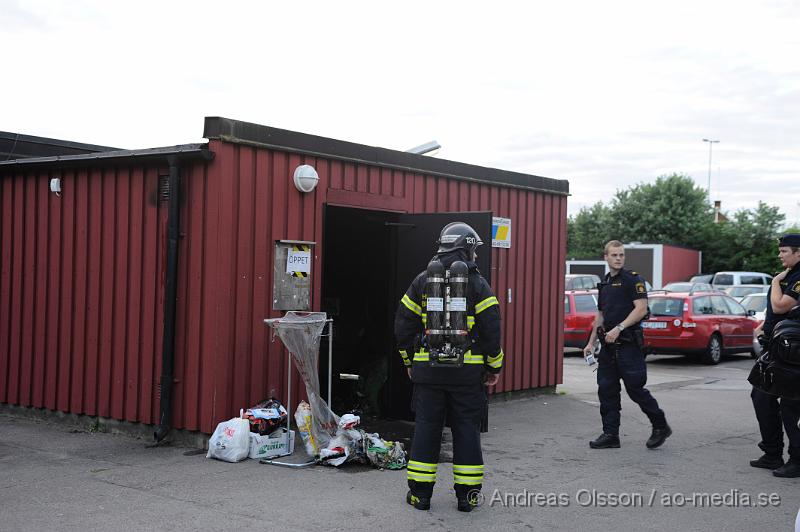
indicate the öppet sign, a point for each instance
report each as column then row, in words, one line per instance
column 298, row 261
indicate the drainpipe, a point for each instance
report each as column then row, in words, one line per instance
column 170, row 302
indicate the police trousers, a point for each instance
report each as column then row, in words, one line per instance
column 774, row 415
column 626, row 362
column 462, row 405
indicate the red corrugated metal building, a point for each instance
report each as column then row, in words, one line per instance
column 86, row 290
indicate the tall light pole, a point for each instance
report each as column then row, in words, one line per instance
column 710, row 146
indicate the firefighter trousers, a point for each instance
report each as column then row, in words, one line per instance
column 462, row 406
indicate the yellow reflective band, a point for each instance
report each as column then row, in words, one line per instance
column 472, row 359
column 410, row 305
column 420, row 477
column 421, row 356
column 467, row 468
column 424, row 319
column 422, row 466
column 496, row 361
column 486, row 303
column 468, row 481
column 470, row 322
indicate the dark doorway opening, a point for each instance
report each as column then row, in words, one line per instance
column 369, row 259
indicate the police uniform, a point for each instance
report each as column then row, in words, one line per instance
column 775, row 414
column 625, row 359
column 454, row 393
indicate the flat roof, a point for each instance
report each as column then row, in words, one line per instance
column 18, row 146
column 235, row 131
column 183, row 151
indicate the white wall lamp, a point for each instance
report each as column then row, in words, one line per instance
column 55, row 186
column 305, row 178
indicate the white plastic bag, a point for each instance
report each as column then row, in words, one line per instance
column 230, row 441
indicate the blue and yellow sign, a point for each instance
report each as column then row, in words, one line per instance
column 501, row 232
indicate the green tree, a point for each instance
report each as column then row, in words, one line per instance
column 588, row 231
column 747, row 241
column 673, row 210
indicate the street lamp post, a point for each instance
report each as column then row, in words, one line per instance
column 710, row 145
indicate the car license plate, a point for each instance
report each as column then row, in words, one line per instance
column 654, row 325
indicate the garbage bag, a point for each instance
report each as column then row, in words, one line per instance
column 230, row 441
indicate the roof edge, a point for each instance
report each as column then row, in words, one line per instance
column 183, row 151
column 238, row 132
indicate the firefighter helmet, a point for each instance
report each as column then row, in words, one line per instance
column 458, row 235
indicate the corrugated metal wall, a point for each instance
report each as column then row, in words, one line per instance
column 81, row 289
column 247, row 201
column 81, row 292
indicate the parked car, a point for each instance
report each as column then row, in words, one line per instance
column 687, row 287
column 580, row 309
column 738, row 291
column 581, row 281
column 703, row 324
column 702, row 278
column 725, row 279
column 756, row 303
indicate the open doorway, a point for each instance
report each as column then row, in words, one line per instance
column 369, row 259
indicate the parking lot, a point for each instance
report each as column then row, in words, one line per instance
column 540, row 472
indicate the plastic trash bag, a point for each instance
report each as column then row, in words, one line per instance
column 230, row 441
column 305, row 426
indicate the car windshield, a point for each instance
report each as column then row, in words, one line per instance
column 741, row 291
column 678, row 287
column 757, row 302
column 666, row 306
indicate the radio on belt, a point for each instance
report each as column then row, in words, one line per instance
column 446, row 329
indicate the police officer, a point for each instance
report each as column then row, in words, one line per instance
column 455, row 392
column 772, row 411
column 621, row 307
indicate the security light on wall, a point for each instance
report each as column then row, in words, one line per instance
column 55, row 186
column 305, row 178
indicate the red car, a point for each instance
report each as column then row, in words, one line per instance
column 703, row 324
column 580, row 308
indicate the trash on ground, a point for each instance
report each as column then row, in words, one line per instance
column 230, row 441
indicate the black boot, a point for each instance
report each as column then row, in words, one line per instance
column 791, row 469
column 467, row 505
column 420, row 503
column 768, row 461
column 658, row 437
column 605, row 441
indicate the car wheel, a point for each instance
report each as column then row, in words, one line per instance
column 713, row 353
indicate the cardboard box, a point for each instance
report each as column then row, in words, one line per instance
column 279, row 443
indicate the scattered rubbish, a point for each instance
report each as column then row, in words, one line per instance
column 279, row 443
column 266, row 417
column 230, row 441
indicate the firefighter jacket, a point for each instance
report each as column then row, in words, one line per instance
column 483, row 322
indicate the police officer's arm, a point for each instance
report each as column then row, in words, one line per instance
column 598, row 322
column 637, row 314
column 408, row 322
column 784, row 300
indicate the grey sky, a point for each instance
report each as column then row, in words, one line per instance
column 604, row 94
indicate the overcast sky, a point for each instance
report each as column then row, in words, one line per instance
column 603, row 94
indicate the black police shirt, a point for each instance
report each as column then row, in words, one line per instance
column 790, row 286
column 617, row 295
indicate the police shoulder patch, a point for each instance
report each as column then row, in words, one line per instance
column 640, row 289
column 796, row 287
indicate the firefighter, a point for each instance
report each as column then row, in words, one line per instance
column 449, row 376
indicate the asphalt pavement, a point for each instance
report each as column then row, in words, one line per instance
column 540, row 472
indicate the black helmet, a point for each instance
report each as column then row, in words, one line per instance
column 458, row 235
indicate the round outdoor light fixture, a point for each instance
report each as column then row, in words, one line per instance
column 305, row 178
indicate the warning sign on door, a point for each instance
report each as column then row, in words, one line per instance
column 501, row 232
